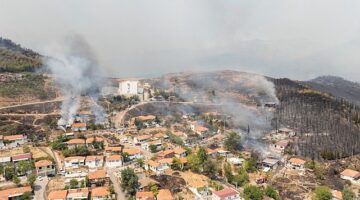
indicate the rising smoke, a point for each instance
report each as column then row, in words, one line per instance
column 239, row 95
column 77, row 72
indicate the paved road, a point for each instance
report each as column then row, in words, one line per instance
column 40, row 188
column 113, row 177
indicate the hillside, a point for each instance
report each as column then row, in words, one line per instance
column 327, row 125
column 338, row 87
column 14, row 58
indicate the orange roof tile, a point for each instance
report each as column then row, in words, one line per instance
column 227, row 192
column 13, row 137
column 183, row 160
column 144, row 195
column 113, row 149
column 113, row 157
column 43, row 163
column 166, row 161
column 14, row 192
column 77, row 125
column 76, row 141
column 337, row 194
column 297, row 161
column 58, row 194
column 132, row 151
column 100, row 192
column 75, row 158
column 94, row 158
column 146, row 117
column 143, row 137
column 350, row 173
column 152, row 163
column 91, row 140
column 201, row 129
column 179, row 150
column 164, row 194
column 98, row 174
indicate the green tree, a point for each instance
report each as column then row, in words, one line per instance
column 233, row 142
column 348, row 194
column 241, row 178
column 210, row 168
column 157, row 119
column 129, row 181
column 322, row 193
column 16, row 180
column 153, row 148
column 228, row 172
column 9, row 173
column 253, row 193
column 26, row 149
column 140, row 162
column 271, row 192
column 26, row 196
column 24, row 166
column 176, row 164
column 2, row 168
column 154, row 189
column 250, row 165
column 31, row 179
column 74, row 183
column 194, row 163
column 202, row 155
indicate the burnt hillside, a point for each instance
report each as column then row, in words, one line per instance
column 328, row 127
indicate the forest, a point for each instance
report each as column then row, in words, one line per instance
column 327, row 126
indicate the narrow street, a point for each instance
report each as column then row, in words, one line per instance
column 113, row 177
column 40, row 188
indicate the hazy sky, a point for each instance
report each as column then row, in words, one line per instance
column 291, row 38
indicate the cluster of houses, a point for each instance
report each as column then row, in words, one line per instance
column 11, row 141
column 98, row 193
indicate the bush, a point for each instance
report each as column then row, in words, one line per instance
column 322, row 193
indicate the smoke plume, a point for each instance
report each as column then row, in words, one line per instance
column 77, row 72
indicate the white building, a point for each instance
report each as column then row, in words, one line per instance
column 296, row 163
column 74, row 162
column 113, row 161
column 225, row 194
column 94, row 161
column 11, row 141
column 128, row 88
column 351, row 175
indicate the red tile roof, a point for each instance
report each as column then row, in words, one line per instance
column 58, row 194
column 227, row 192
column 43, row 163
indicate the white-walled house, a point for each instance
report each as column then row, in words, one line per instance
column 156, row 167
column 128, row 87
column 94, row 161
column 225, row 194
column 133, row 153
column 74, row 162
column 296, row 163
column 11, row 141
column 113, row 161
column 351, row 175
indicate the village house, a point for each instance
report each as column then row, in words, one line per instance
column 218, row 152
column 280, row 146
column 144, row 196
column 11, row 141
column 78, row 173
column 159, row 136
column 296, row 163
column 142, row 139
column 100, row 193
column 269, row 164
column 94, row 161
column 45, row 168
column 98, row 178
column 21, row 157
column 146, row 118
column 197, row 128
column 5, row 159
column 89, row 141
column 78, row 194
column 58, row 195
column 164, row 194
column 113, row 161
column 14, row 193
column 199, row 195
column 74, row 162
column 337, row 195
column 74, row 143
column 156, row 167
column 146, row 145
column 351, row 175
column 128, row 88
column 179, row 152
column 133, row 153
column 236, row 161
column 79, row 126
column 166, row 154
column 113, row 150
column 225, row 194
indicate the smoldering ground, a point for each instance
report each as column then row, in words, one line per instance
column 77, row 72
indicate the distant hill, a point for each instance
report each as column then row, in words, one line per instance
column 14, row 58
column 338, row 87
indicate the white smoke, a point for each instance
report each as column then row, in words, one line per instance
column 77, row 72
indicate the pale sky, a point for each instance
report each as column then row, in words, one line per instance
column 299, row 39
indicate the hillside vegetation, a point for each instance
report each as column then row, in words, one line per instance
column 14, row 58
